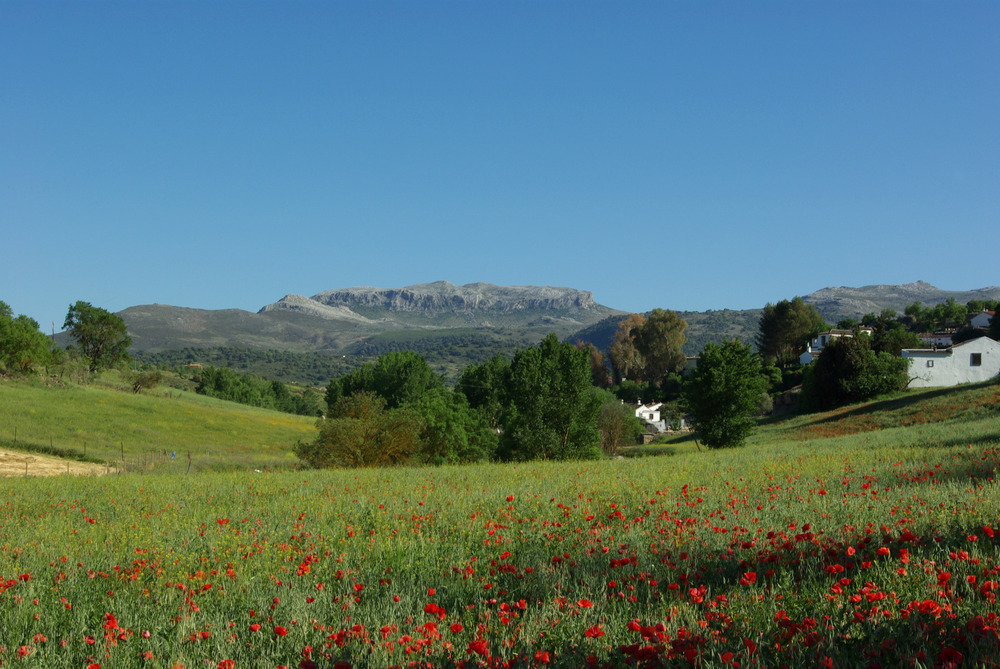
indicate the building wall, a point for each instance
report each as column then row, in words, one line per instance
column 950, row 368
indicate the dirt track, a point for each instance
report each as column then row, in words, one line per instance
column 13, row 464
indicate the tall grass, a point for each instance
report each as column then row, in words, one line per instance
column 870, row 546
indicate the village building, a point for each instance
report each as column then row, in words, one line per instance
column 968, row 362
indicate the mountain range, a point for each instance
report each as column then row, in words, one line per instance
column 461, row 324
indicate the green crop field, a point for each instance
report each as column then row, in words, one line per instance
column 862, row 537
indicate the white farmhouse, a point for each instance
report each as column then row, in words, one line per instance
column 969, row 362
column 650, row 415
column 982, row 319
column 816, row 346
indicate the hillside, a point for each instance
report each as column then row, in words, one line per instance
column 452, row 326
column 105, row 423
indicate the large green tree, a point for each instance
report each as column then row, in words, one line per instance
column 785, row 329
column 450, row 430
column 659, row 341
column 22, row 344
column 724, row 392
column 361, row 432
column 550, row 414
column 399, row 378
column 101, row 335
column 851, row 370
column 485, row 388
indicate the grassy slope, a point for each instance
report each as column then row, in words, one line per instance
column 102, row 421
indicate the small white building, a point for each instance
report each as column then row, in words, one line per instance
column 650, row 415
column 969, row 362
column 939, row 339
column 816, row 346
column 982, row 319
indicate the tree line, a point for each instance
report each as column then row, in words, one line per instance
column 552, row 400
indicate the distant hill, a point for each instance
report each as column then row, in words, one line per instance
column 834, row 304
column 845, row 302
column 453, row 326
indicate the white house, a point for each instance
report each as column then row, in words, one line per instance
column 969, row 362
column 815, row 347
column 982, row 319
column 650, row 415
column 940, row 339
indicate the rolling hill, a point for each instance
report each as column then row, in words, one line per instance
column 451, row 325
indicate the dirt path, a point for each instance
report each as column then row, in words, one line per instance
column 14, row 464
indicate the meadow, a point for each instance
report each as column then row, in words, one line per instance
column 103, row 423
column 862, row 537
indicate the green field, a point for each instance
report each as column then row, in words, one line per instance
column 861, row 537
column 105, row 422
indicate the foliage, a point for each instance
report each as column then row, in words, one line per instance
column 659, row 340
column 399, row 378
column 145, row 380
column 549, row 412
column 626, row 360
column 889, row 335
column 311, row 369
column 451, row 431
column 994, row 331
column 101, row 335
column 850, row 370
column 724, row 392
column 485, row 388
column 599, row 376
column 630, row 392
column 22, row 344
column 254, row 391
column 361, row 432
column 617, row 424
column 785, row 328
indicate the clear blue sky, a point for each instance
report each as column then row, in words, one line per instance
column 684, row 155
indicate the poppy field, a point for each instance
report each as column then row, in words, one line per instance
column 870, row 549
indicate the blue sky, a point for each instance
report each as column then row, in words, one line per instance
column 683, row 155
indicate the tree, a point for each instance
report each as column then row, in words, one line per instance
column 101, row 335
column 598, row 370
column 888, row 333
column 785, row 328
column 617, row 424
column 361, row 432
column 399, row 378
column 550, row 414
column 850, row 370
column 724, row 392
column 626, row 361
column 452, row 431
column 485, row 387
column 659, row 341
column 22, row 344
column 994, row 331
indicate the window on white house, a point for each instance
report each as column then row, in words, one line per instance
column 977, row 359
column 930, row 363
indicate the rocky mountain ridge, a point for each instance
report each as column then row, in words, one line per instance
column 437, row 298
